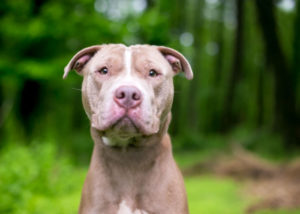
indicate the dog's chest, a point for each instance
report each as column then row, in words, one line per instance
column 125, row 209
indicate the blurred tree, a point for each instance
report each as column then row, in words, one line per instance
column 296, row 52
column 260, row 97
column 237, row 65
column 28, row 104
column 150, row 4
column 193, row 113
column 286, row 118
column 216, row 120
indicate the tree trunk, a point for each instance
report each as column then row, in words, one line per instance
column 28, row 104
column 285, row 117
column 260, row 97
column 215, row 120
column 220, row 42
column 228, row 116
column 197, row 32
column 150, row 4
column 296, row 50
column 37, row 5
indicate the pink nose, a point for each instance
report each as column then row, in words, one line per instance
column 128, row 97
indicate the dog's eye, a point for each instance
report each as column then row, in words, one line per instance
column 153, row 73
column 103, row 71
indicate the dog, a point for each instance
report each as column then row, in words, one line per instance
column 127, row 94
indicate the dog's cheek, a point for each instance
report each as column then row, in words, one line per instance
column 166, row 107
column 85, row 98
column 106, row 104
column 164, row 99
column 90, row 94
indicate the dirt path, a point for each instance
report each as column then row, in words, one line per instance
column 277, row 186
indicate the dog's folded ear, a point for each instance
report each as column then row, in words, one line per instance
column 80, row 59
column 177, row 61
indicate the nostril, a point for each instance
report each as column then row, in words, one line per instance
column 136, row 96
column 120, row 95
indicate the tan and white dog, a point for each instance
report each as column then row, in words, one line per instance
column 127, row 93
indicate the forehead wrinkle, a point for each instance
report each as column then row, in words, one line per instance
column 150, row 60
column 110, row 56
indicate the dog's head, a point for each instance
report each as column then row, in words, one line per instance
column 128, row 91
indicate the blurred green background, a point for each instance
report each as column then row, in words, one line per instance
column 245, row 55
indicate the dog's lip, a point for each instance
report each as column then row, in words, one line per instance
column 134, row 122
column 124, row 117
column 127, row 114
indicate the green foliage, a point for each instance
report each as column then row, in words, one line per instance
column 35, row 180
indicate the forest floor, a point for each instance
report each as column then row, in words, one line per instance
column 265, row 185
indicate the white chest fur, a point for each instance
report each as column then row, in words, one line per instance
column 124, row 209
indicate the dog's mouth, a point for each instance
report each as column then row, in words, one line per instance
column 123, row 122
column 125, row 125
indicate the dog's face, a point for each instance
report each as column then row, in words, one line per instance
column 128, row 91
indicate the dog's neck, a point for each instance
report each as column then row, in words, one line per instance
column 134, row 164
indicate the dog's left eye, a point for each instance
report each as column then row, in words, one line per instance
column 103, row 71
column 153, row 73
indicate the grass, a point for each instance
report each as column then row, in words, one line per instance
column 208, row 194
column 187, row 158
column 279, row 212
column 35, row 180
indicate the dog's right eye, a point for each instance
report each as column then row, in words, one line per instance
column 103, row 71
column 153, row 73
